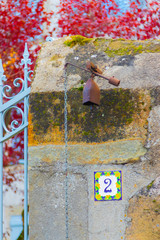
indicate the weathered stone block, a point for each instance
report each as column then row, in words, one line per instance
column 121, row 134
column 144, row 210
column 47, row 203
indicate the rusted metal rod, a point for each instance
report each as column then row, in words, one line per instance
column 112, row 80
column 77, row 67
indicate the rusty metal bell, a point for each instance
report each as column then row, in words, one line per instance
column 91, row 93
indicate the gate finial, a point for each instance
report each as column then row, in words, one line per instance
column 26, row 53
column 26, row 60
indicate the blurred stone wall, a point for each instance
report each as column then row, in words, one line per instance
column 122, row 134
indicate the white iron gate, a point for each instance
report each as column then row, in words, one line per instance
column 8, row 102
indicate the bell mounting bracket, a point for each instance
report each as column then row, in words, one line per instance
column 95, row 71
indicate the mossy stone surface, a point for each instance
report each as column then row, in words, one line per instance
column 121, row 47
column 77, row 39
column 119, row 115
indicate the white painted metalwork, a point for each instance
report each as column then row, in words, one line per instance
column 8, row 102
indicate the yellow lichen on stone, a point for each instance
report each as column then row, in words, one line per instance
column 31, row 140
column 144, row 212
column 53, row 135
column 120, row 47
column 123, row 48
column 137, row 124
column 47, row 160
column 77, row 39
column 55, row 57
column 57, row 101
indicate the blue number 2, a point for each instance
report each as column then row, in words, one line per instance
column 108, row 182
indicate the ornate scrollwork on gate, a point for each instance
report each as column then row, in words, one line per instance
column 14, row 123
column 15, row 98
column 9, row 98
column 8, row 89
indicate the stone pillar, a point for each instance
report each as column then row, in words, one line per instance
column 121, row 137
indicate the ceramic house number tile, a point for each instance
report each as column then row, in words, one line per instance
column 107, row 185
